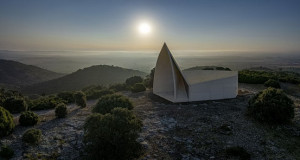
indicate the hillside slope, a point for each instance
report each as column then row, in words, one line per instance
column 94, row 75
column 19, row 74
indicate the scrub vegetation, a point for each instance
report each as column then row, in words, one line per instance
column 271, row 106
column 260, row 77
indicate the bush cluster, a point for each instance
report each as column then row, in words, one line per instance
column 133, row 80
column 138, row 87
column 271, row 106
column 61, row 110
column 272, row 83
column 46, row 102
column 260, row 77
column 66, row 96
column 6, row 122
column 80, row 99
column 95, row 94
column 106, row 103
column 13, row 101
column 15, row 104
column 119, row 87
column 6, row 152
column 28, row 118
column 113, row 135
column 32, row 136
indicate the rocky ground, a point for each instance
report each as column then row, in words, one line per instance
column 188, row 131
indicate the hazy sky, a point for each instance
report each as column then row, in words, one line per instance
column 225, row 25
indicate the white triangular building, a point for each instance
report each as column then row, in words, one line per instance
column 175, row 85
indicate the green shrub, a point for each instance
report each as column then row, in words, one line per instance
column 67, row 96
column 133, row 80
column 119, row 87
column 80, row 99
column 272, row 83
column 61, row 110
column 237, row 152
column 32, row 136
column 138, row 87
column 95, row 94
column 28, row 118
column 48, row 102
column 6, row 152
column 6, row 122
column 106, row 103
column 271, row 106
column 15, row 105
column 112, row 136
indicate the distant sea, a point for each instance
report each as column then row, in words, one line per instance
column 70, row 61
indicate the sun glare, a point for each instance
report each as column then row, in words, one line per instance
column 144, row 28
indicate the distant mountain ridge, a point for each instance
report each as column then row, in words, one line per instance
column 94, row 75
column 13, row 73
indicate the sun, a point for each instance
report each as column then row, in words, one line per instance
column 144, row 28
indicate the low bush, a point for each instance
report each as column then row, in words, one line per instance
column 80, row 99
column 6, row 152
column 67, row 96
column 237, row 152
column 48, row 102
column 272, row 83
column 15, row 105
column 106, row 103
column 32, row 136
column 271, row 106
column 119, row 87
column 28, row 118
column 95, row 94
column 61, row 110
column 112, row 136
column 6, row 122
column 138, row 87
column 133, row 80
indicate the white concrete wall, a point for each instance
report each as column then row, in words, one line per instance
column 213, row 90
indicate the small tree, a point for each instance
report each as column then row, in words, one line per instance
column 61, row 110
column 6, row 122
column 271, row 106
column 32, row 136
column 15, row 105
column 80, row 99
column 272, row 83
column 133, row 80
column 28, row 118
column 106, row 103
column 138, row 87
column 112, row 136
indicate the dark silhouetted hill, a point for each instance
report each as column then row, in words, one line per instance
column 94, row 75
column 14, row 73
